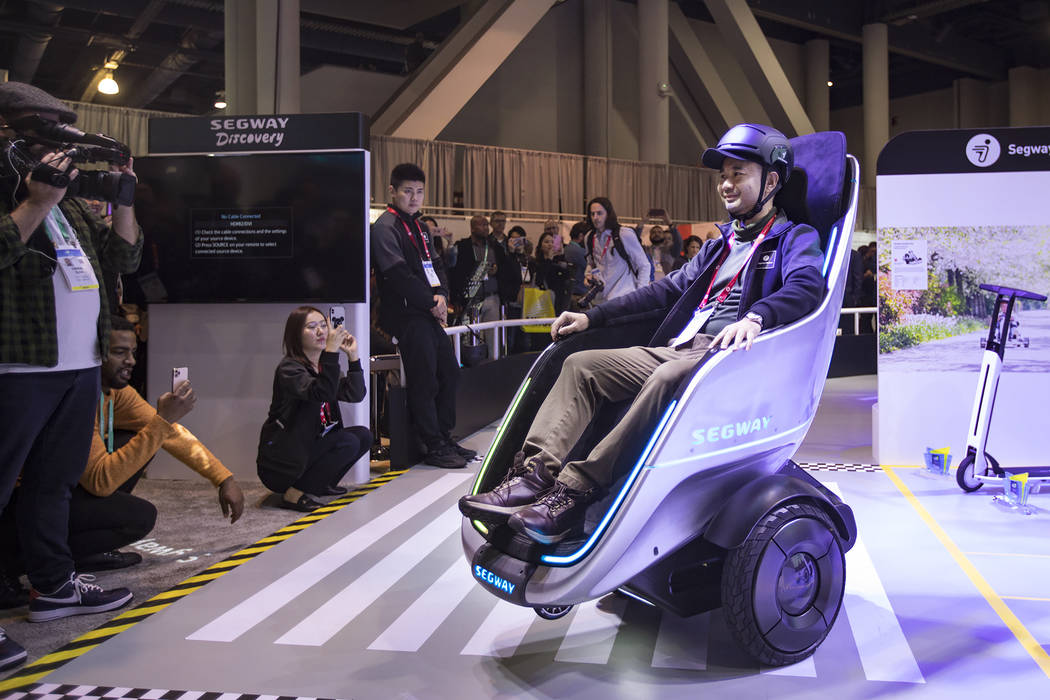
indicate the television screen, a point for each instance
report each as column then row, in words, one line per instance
column 282, row 227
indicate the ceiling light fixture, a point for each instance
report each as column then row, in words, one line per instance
column 108, row 86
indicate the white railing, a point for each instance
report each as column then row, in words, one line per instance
column 501, row 332
column 501, row 328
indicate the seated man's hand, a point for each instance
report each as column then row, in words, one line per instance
column 743, row 332
column 568, row 323
column 173, row 405
column 231, row 500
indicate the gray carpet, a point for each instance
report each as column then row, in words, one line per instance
column 190, row 535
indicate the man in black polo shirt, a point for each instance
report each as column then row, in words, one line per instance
column 413, row 307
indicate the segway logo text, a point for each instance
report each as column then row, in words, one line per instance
column 729, row 430
column 494, row 580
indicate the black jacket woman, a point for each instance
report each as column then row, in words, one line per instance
column 304, row 449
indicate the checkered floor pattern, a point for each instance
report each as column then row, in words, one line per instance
column 54, row 691
column 830, row 467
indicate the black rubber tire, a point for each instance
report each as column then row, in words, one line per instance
column 754, row 613
column 964, row 473
column 553, row 612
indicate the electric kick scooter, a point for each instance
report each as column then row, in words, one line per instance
column 979, row 467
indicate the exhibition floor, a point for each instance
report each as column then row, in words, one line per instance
column 945, row 598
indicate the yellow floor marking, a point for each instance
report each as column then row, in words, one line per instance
column 1022, row 597
column 106, row 631
column 1028, row 642
column 1008, row 554
column 21, row 680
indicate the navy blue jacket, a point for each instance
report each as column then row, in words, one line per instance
column 783, row 282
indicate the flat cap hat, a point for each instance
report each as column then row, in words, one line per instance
column 21, row 97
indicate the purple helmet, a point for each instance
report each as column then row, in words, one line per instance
column 756, row 142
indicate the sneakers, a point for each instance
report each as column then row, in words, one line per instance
column 107, row 561
column 557, row 513
column 465, row 452
column 445, row 457
column 523, row 484
column 12, row 593
column 11, row 652
column 77, row 596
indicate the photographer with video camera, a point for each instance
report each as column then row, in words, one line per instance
column 54, row 329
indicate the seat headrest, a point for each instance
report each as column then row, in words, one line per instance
column 814, row 192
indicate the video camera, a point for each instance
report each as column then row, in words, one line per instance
column 31, row 130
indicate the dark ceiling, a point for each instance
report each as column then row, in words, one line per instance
column 171, row 51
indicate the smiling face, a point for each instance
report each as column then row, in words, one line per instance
column 315, row 333
column 598, row 216
column 116, row 370
column 408, row 196
column 739, row 185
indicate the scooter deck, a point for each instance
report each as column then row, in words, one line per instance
column 1033, row 472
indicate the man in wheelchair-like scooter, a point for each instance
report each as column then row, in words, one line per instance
column 764, row 271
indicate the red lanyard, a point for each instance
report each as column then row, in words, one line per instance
column 724, row 294
column 426, row 248
column 604, row 250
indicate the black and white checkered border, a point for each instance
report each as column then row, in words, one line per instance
column 832, row 467
column 56, row 691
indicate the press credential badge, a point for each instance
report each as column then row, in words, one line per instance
column 72, row 260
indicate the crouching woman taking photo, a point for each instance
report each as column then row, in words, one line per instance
column 304, row 449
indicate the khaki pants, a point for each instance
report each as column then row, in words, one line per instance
column 650, row 375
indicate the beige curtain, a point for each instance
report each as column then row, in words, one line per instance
column 129, row 126
column 387, row 152
column 692, row 195
column 552, row 182
column 492, row 178
column 440, row 167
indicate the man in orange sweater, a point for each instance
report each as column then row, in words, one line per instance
column 104, row 515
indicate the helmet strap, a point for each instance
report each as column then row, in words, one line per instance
column 761, row 200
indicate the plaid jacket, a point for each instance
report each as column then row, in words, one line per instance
column 27, row 296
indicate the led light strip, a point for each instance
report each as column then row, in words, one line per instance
column 568, row 559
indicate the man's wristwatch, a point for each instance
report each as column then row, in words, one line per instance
column 752, row 316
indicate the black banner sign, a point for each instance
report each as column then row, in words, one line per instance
column 260, row 133
column 1021, row 149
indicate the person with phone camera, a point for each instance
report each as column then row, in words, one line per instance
column 53, row 333
column 304, row 448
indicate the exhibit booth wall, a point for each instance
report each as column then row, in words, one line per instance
column 957, row 209
column 246, row 219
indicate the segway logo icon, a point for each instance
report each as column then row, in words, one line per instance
column 493, row 580
column 729, row 431
column 983, row 150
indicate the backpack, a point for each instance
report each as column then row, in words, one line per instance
column 618, row 247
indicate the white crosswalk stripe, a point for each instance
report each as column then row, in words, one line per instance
column 501, row 632
column 415, row 626
column 682, row 642
column 592, row 632
column 883, row 648
column 241, row 618
column 348, row 603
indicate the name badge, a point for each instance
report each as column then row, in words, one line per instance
column 697, row 322
column 428, row 270
column 72, row 261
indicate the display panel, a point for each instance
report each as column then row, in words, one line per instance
column 283, row 227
